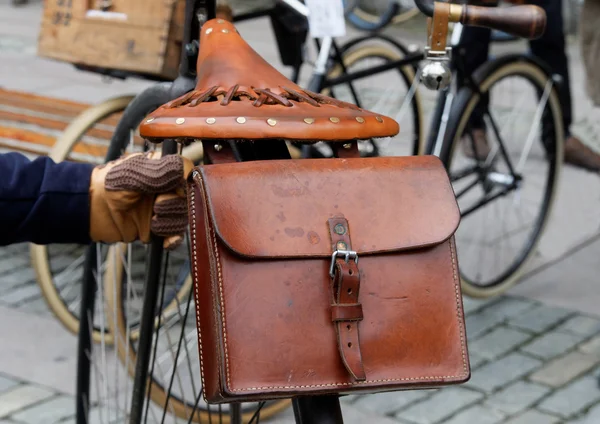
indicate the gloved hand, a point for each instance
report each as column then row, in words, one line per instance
column 137, row 195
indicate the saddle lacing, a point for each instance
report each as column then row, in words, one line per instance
column 258, row 96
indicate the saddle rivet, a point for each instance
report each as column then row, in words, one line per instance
column 241, row 120
column 180, row 121
column 218, row 147
column 339, row 229
column 379, row 119
column 341, row 245
column 210, row 121
column 272, row 122
column 309, row 120
column 220, row 21
column 225, row 31
column 208, row 31
column 149, row 120
column 360, row 120
column 347, row 145
column 334, row 120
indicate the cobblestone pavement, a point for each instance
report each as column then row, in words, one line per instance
column 531, row 363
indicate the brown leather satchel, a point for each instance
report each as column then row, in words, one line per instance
column 326, row 276
column 311, row 276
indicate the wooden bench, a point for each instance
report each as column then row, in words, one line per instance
column 30, row 124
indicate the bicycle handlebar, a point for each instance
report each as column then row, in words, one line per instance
column 525, row 21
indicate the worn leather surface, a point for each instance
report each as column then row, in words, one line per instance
column 280, row 208
column 240, row 96
column 265, row 317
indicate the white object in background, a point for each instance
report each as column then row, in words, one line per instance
column 326, row 18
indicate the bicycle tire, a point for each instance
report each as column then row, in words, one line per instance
column 365, row 50
column 157, row 392
column 485, row 77
column 365, row 20
column 40, row 254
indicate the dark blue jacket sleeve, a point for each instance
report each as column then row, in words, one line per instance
column 42, row 201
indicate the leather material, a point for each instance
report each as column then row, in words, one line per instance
column 266, row 324
column 404, row 209
column 240, row 96
column 137, row 195
column 345, row 290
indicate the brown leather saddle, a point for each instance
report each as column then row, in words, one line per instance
column 240, row 96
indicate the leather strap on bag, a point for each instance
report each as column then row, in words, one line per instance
column 346, row 311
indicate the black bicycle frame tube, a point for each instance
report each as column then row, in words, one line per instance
column 84, row 348
column 317, row 410
column 348, row 77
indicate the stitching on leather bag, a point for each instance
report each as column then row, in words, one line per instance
column 389, row 380
column 224, row 321
column 458, row 309
column 193, row 203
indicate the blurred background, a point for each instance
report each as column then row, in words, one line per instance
column 534, row 347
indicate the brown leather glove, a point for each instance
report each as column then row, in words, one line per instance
column 139, row 194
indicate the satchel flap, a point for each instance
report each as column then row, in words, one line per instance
column 280, row 208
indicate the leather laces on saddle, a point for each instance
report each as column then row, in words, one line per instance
column 240, row 96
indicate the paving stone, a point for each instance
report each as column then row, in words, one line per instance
column 508, row 307
column 350, row 398
column 387, row 403
column 7, row 383
column 564, row 369
column 533, row 417
column 591, row 346
column 21, row 397
column 572, row 399
column 10, row 264
column 540, row 319
column 47, row 412
column 475, row 359
column 476, row 414
column 498, row 342
column 477, row 324
column 8, row 282
column 14, row 249
column 353, row 415
column 36, row 305
column 494, row 314
column 21, row 294
column 471, row 305
column 517, row 397
column 552, row 344
column 581, row 324
column 442, row 404
column 499, row 373
column 592, row 416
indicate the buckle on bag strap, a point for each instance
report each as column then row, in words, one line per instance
column 346, row 254
column 346, row 310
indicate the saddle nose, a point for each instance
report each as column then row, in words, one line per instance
column 240, row 96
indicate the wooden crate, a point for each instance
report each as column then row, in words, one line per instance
column 139, row 36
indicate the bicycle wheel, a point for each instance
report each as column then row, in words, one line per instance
column 367, row 14
column 392, row 93
column 174, row 380
column 58, row 268
column 504, row 159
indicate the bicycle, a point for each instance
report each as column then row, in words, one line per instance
column 495, row 175
column 373, row 16
column 149, row 361
column 86, row 138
